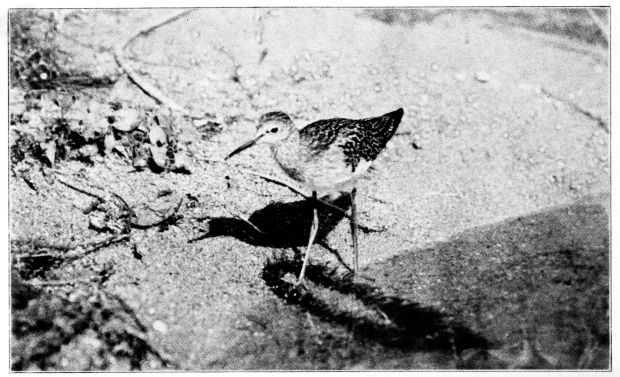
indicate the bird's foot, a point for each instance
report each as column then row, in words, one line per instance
column 301, row 282
column 293, row 280
column 351, row 274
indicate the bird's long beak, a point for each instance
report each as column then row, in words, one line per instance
column 244, row 146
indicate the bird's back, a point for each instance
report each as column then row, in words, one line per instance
column 359, row 139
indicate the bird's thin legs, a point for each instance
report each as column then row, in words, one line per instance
column 356, row 266
column 313, row 230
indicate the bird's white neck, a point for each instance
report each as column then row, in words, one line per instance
column 287, row 154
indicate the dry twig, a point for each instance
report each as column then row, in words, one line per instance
column 144, row 85
column 578, row 108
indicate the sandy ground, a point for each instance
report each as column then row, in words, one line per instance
column 495, row 246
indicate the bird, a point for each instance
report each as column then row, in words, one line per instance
column 327, row 156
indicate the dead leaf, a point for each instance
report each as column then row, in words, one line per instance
column 157, row 136
column 50, row 151
column 158, row 155
column 109, row 142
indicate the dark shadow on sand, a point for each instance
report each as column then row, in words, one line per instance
column 394, row 322
column 283, row 225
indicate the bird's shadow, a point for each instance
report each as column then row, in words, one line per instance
column 396, row 322
column 280, row 225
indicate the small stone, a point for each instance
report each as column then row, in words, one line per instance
column 423, row 100
column 251, row 82
column 182, row 161
column 160, row 326
column 460, row 77
column 50, row 151
column 126, row 120
column 482, row 76
column 92, row 342
column 73, row 297
column 434, row 67
column 525, row 87
column 109, row 142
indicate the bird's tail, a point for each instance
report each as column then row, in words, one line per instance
column 392, row 120
column 396, row 115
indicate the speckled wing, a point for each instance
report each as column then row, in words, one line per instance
column 358, row 138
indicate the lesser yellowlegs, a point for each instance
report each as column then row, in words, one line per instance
column 326, row 156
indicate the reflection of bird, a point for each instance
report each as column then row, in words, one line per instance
column 327, row 156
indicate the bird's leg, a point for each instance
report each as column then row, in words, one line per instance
column 313, row 230
column 356, row 266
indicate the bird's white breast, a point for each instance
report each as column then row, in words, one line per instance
column 325, row 173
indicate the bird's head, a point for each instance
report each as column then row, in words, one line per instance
column 272, row 128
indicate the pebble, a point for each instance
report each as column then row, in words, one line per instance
column 74, row 297
column 434, row 67
column 482, row 76
column 459, row 77
column 525, row 87
column 182, row 161
column 160, row 326
column 126, row 120
column 92, row 342
column 423, row 101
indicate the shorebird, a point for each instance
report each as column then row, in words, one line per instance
column 327, row 156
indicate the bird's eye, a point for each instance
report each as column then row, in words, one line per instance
column 274, row 130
